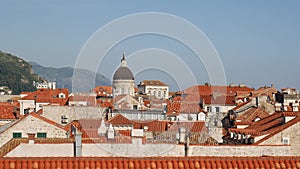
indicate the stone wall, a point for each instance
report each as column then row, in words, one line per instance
column 55, row 113
column 31, row 124
column 292, row 133
column 214, row 125
column 137, row 149
column 240, row 150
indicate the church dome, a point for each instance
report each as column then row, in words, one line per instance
column 123, row 72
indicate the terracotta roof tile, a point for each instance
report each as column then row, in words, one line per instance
column 103, row 91
column 208, row 90
column 120, row 119
column 268, row 126
column 48, row 96
column 251, row 114
column 242, row 104
column 152, row 83
column 183, row 107
column 8, row 110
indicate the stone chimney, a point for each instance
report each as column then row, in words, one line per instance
column 182, row 134
column 102, row 129
column 31, row 138
column 78, row 144
column 110, row 132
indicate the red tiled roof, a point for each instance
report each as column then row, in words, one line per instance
column 150, row 162
column 270, row 125
column 242, row 104
column 209, row 90
column 120, row 120
column 268, row 91
column 197, row 126
column 152, row 83
column 225, row 100
column 251, row 114
column 105, row 104
column 183, row 107
column 153, row 125
column 208, row 99
column 7, row 110
column 104, row 91
column 124, row 132
column 48, row 96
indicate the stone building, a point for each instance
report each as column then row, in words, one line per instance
column 32, row 123
column 123, row 80
column 154, row 88
column 279, row 128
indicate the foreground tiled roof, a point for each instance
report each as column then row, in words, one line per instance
column 151, row 163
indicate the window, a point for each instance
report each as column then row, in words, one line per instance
column 217, row 109
column 41, row 135
column 285, row 140
column 159, row 93
column 208, row 109
column 64, row 119
column 17, row 135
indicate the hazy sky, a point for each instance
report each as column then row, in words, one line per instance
column 257, row 41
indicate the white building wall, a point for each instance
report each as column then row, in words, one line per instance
column 154, row 90
column 121, row 87
column 25, row 104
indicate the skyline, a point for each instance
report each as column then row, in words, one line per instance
column 256, row 41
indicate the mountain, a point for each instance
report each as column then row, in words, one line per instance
column 64, row 77
column 16, row 74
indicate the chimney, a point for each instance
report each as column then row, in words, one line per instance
column 110, row 132
column 257, row 101
column 78, row 144
column 182, row 135
column 31, row 137
column 187, row 146
column 102, row 129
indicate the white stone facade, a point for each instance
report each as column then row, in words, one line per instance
column 123, row 87
column 31, row 124
column 160, row 92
